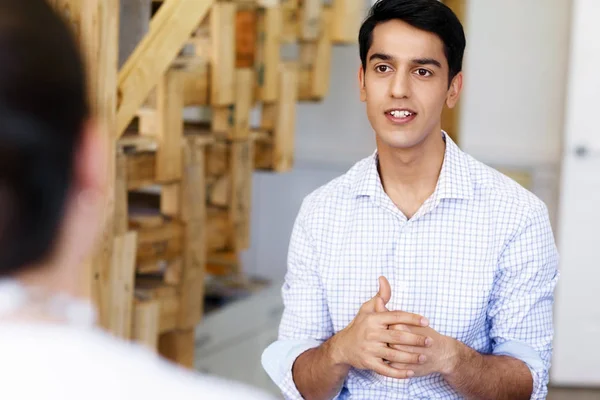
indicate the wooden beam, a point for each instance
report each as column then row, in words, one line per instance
column 222, row 28
column 169, row 111
column 178, row 346
column 95, row 24
column 146, row 316
column 347, row 16
column 241, row 159
column 310, row 23
column 121, row 218
column 285, row 124
column 171, row 27
column 245, row 37
column 122, row 284
column 268, row 53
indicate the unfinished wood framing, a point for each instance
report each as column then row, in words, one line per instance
column 179, row 199
column 274, row 145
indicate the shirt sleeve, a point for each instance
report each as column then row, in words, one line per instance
column 305, row 321
column 521, row 304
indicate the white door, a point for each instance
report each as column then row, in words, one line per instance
column 577, row 354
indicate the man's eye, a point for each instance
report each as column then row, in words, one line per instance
column 382, row 68
column 423, row 72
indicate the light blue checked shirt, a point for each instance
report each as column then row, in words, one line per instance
column 478, row 260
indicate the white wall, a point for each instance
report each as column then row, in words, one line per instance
column 515, row 65
column 512, row 113
column 577, row 311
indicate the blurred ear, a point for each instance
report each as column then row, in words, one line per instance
column 454, row 90
column 361, row 84
column 85, row 208
column 91, row 159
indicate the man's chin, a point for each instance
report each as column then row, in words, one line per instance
column 400, row 140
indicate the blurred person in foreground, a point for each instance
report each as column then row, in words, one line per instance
column 52, row 186
column 420, row 273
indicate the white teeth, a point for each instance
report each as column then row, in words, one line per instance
column 400, row 114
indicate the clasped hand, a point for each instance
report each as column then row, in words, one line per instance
column 394, row 343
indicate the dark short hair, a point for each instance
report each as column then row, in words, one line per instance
column 428, row 15
column 43, row 107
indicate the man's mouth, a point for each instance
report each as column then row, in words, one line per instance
column 400, row 115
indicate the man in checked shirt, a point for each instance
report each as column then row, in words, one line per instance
column 420, row 273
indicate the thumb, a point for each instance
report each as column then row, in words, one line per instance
column 385, row 291
column 380, row 305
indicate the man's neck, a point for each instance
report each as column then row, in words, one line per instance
column 409, row 176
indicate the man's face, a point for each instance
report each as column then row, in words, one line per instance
column 405, row 84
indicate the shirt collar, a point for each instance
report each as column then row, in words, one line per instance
column 454, row 180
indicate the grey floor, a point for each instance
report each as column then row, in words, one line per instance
column 573, row 394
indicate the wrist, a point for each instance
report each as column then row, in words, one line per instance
column 457, row 354
column 336, row 351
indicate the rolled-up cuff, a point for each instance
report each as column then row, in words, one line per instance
column 524, row 352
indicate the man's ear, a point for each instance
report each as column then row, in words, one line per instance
column 361, row 84
column 454, row 90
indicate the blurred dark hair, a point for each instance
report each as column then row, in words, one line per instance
column 428, row 15
column 43, row 106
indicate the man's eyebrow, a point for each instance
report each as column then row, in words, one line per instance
column 427, row 61
column 381, row 56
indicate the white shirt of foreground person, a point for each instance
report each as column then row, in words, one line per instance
column 74, row 360
column 478, row 260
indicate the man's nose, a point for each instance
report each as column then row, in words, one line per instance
column 400, row 85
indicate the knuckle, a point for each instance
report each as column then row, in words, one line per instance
column 370, row 335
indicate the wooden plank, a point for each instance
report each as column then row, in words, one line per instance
column 219, row 190
column 146, row 316
column 223, row 263
column 170, row 199
column 241, row 161
column 151, row 288
column 315, row 63
column 121, row 218
column 169, row 313
column 268, row 53
column 147, row 121
column 174, row 24
column 217, row 158
column 284, row 132
column 243, row 103
column 95, row 24
column 196, row 84
column 219, row 232
column 161, row 243
column 192, row 302
column 307, row 59
column 222, row 120
column 173, row 273
column 310, row 19
column 193, row 186
column 291, row 21
column 269, row 114
column 141, row 169
column 347, row 17
column 122, row 283
column 178, row 346
column 245, row 37
column 263, row 153
column 222, row 23
column 169, row 95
